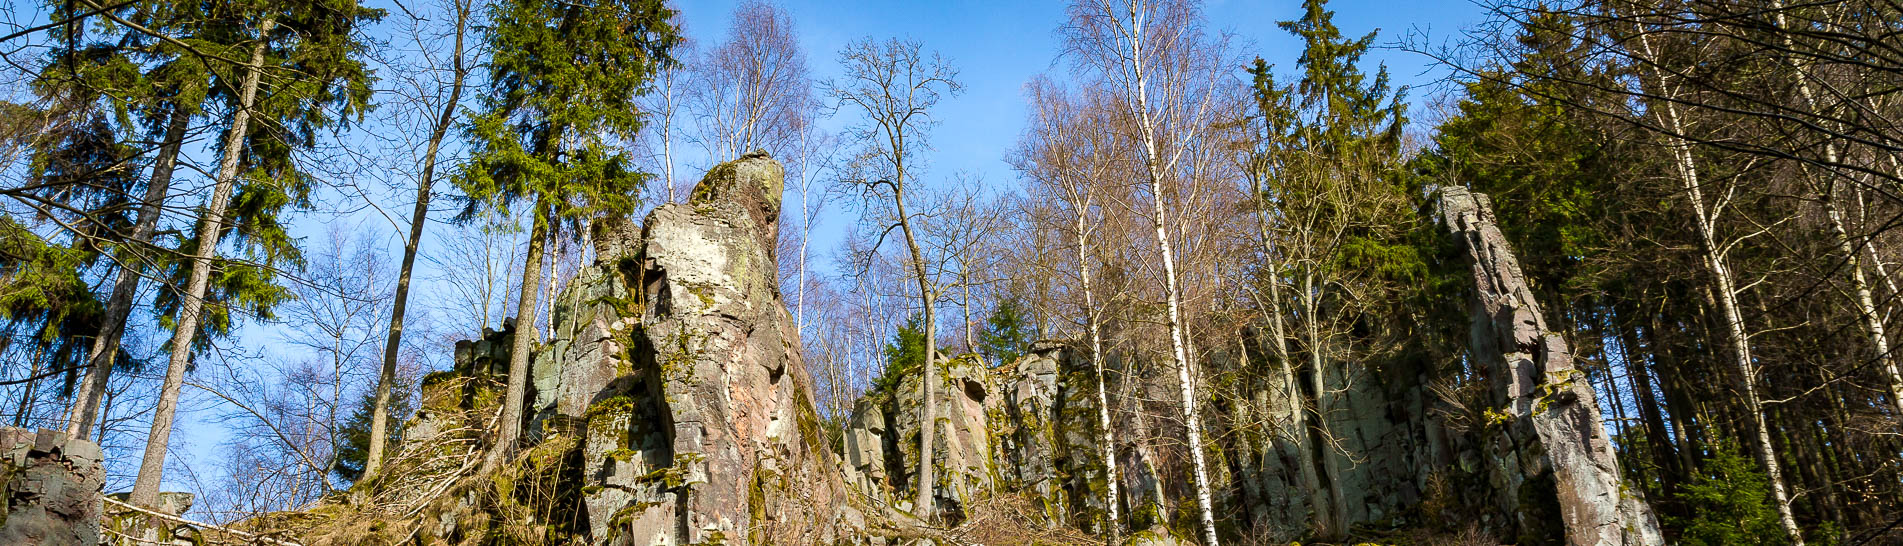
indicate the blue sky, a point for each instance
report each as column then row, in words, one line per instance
column 1000, row 45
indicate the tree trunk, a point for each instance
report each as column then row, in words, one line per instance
column 1107, row 445
column 1866, row 306
column 1192, row 419
column 509, row 429
column 1279, row 331
column 1725, row 296
column 1326, row 498
column 923, row 503
column 971, row 332
column 1664, row 453
column 125, row 287
column 145, row 490
column 386, row 378
column 32, row 384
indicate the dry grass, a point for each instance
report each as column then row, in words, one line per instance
column 1006, row 520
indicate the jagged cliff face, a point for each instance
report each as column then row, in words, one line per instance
column 676, row 364
column 1552, row 451
column 49, row 488
column 1374, row 446
column 671, row 406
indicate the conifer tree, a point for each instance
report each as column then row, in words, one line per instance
column 107, row 90
column 562, row 84
column 310, row 55
column 1330, row 168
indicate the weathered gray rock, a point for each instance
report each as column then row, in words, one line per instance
column 1048, row 436
column 675, row 361
column 962, row 456
column 1555, row 441
column 865, row 449
column 52, row 489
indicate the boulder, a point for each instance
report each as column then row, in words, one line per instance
column 52, row 489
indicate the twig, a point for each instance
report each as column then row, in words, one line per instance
column 202, row 525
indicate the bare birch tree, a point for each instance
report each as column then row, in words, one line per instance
column 1059, row 153
column 1154, row 56
column 1713, row 249
column 752, row 91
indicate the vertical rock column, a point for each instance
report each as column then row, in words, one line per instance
column 749, row 463
column 1555, row 434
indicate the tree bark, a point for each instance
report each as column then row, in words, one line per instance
column 928, row 376
column 1192, row 419
column 1725, row 296
column 509, row 427
column 125, row 287
column 386, row 378
column 1107, row 445
column 145, row 490
column 1866, row 306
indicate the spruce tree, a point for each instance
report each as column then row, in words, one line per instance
column 562, row 84
column 1330, row 169
column 1007, row 334
column 308, row 54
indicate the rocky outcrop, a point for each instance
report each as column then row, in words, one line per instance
column 1026, row 429
column 670, row 405
column 675, row 363
column 1048, row 436
column 50, row 489
column 882, row 440
column 1554, row 448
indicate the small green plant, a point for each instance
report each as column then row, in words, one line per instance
column 1728, row 503
column 1496, row 417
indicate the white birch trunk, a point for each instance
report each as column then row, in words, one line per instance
column 1726, row 296
column 1192, row 419
column 1866, row 305
column 1107, row 444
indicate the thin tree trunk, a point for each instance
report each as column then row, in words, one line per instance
column 1663, row 451
column 964, row 280
column 1107, row 444
column 1726, row 298
column 125, row 287
column 667, row 131
column 928, row 376
column 145, row 490
column 380, row 413
column 552, row 257
column 32, row 384
column 1325, row 497
column 1192, row 419
column 806, row 235
column 1866, row 307
column 1279, row 331
column 509, row 429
